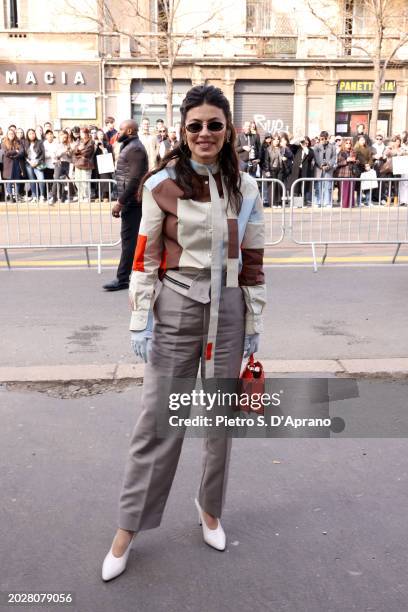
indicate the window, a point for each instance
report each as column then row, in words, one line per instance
column 259, row 16
column 348, row 26
column 12, row 14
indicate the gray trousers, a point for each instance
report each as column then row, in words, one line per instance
column 178, row 345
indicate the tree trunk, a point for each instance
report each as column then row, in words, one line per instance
column 378, row 78
column 169, row 99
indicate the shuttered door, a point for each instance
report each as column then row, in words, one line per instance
column 270, row 103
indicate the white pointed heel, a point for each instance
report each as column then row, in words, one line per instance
column 114, row 566
column 213, row 537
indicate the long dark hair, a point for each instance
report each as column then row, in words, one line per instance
column 227, row 157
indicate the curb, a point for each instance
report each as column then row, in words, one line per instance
column 375, row 368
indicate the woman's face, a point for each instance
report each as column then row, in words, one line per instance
column 205, row 144
column 11, row 135
column 276, row 141
column 362, row 141
column 20, row 133
column 31, row 135
column 268, row 140
column 283, row 142
column 100, row 135
column 347, row 144
column 63, row 137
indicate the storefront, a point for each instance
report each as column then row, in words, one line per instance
column 354, row 106
column 149, row 100
column 64, row 94
column 269, row 103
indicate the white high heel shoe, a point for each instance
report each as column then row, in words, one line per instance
column 114, row 566
column 212, row 537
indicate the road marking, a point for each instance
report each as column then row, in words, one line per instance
column 267, row 260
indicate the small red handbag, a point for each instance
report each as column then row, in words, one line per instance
column 252, row 381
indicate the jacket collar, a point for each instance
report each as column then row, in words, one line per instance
column 204, row 169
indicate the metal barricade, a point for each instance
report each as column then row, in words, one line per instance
column 274, row 199
column 58, row 214
column 354, row 211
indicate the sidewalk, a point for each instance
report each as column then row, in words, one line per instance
column 397, row 367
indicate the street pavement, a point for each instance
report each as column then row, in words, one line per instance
column 313, row 525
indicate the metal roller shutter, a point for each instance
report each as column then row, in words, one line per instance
column 269, row 103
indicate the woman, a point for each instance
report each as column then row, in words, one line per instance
column 379, row 159
column 23, row 174
column 39, row 132
column 391, row 187
column 63, row 158
column 35, row 164
column 272, row 168
column 83, row 159
column 198, row 216
column 162, row 143
column 13, row 154
column 102, row 147
column 346, row 160
column 401, row 148
column 302, row 168
column 264, row 166
column 50, row 148
column 287, row 159
column 364, row 162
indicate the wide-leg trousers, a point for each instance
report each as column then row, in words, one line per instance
column 178, row 346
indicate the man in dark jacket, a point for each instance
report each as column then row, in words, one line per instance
column 131, row 166
column 248, row 147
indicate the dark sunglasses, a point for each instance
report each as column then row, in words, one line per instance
column 378, row 137
column 213, row 126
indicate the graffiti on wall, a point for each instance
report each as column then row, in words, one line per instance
column 271, row 125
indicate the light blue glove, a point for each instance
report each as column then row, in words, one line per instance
column 251, row 344
column 141, row 340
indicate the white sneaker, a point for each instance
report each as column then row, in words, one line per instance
column 114, row 566
column 212, row 537
column 42, row 199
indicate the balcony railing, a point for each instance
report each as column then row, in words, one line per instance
column 244, row 46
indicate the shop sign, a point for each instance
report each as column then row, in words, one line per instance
column 356, row 103
column 365, row 87
column 76, row 106
column 48, row 77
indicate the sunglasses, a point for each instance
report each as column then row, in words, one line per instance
column 212, row 126
column 379, row 138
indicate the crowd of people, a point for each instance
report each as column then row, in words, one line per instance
column 69, row 155
column 46, row 155
column 329, row 157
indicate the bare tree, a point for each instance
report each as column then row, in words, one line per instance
column 385, row 33
column 163, row 44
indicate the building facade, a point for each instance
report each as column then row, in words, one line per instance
column 50, row 65
column 279, row 65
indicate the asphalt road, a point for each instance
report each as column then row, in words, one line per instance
column 313, row 525
column 64, row 317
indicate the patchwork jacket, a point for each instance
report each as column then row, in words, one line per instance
column 176, row 243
